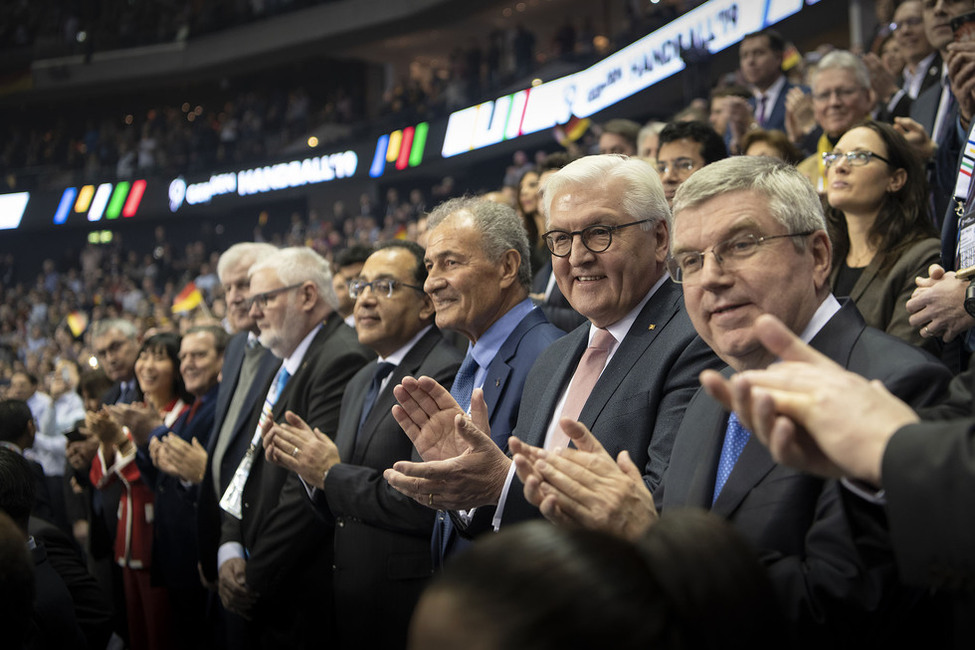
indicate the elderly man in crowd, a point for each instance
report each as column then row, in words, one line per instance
column 841, row 97
column 628, row 373
column 479, row 278
column 274, row 558
column 737, row 224
column 382, row 556
column 247, row 368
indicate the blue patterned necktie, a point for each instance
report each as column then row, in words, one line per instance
column 463, row 384
column 735, row 438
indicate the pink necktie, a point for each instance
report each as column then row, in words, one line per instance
column 583, row 381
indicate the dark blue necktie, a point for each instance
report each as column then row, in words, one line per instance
column 382, row 371
column 735, row 438
column 443, row 538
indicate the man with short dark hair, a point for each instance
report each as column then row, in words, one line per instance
column 382, row 556
column 686, row 147
column 619, row 136
column 346, row 268
column 760, row 57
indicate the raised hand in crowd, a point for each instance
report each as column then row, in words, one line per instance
column 961, row 72
column 884, row 84
column 916, row 136
column 811, row 413
column 799, row 118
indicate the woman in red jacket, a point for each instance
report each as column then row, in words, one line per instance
column 157, row 371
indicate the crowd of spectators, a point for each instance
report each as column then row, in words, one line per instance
column 826, row 119
column 251, row 119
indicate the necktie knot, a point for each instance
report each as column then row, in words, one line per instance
column 463, row 384
column 383, row 368
column 602, row 340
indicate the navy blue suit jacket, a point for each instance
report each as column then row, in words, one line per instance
column 776, row 118
column 508, row 372
column 174, row 551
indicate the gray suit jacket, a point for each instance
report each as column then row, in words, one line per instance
column 639, row 400
column 882, row 300
column 835, row 582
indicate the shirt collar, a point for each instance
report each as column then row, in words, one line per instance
column 823, row 313
column 620, row 328
column 396, row 358
column 293, row 362
column 491, row 341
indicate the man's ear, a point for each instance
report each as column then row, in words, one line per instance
column 427, row 311
column 510, row 263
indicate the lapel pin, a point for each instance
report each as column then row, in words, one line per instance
column 652, row 326
column 497, row 382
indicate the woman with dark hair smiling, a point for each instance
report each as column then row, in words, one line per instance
column 880, row 226
column 157, row 371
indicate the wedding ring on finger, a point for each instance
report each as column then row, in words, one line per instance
column 295, row 452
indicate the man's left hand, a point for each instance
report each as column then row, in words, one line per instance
column 473, row 476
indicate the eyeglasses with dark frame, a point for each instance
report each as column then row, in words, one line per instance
column 597, row 237
column 687, row 264
column 381, row 287
column 262, row 299
column 857, row 158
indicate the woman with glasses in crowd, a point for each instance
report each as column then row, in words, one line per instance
column 880, row 225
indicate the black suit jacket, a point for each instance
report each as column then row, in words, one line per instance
column 208, row 515
column 382, row 538
column 835, row 582
column 289, row 548
column 905, row 105
column 92, row 610
column 639, row 400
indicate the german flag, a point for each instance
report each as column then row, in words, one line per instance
column 188, row 299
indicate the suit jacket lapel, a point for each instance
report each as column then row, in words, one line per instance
column 384, row 401
column 500, row 369
column 835, row 340
column 654, row 316
column 233, row 361
column 298, row 377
